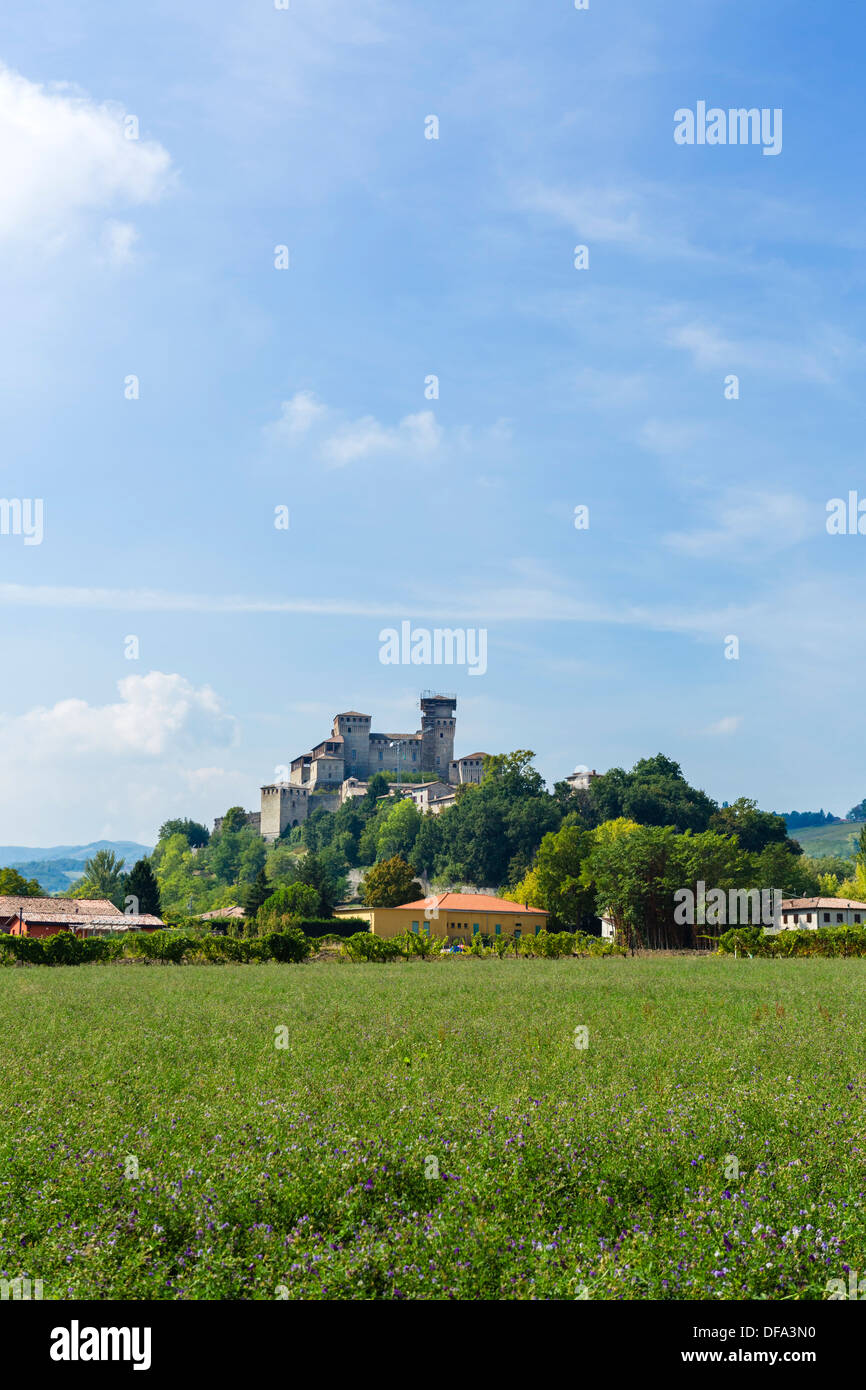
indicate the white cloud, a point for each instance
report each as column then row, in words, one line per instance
column 65, row 160
column 155, row 714
column 743, row 521
column 819, row 361
column 668, row 436
column 341, row 442
column 118, row 241
column 297, row 416
column 75, row 771
column 416, row 435
column 729, row 724
column 646, row 221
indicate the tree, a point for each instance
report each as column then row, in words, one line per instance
column 141, row 884
column 513, row 773
column 255, row 893
column 195, row 834
column 655, row 792
column 791, row 874
column 390, row 883
column 557, row 877
column 638, row 871
column 312, row 871
column 15, row 885
column 187, row 884
column 428, row 844
column 234, row 819
column 753, row 828
column 857, row 812
column 376, row 787
column 399, row 830
column 103, row 878
column 292, row 903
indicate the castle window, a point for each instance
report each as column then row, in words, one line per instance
column 380, row 756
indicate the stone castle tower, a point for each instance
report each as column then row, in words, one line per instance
column 438, row 723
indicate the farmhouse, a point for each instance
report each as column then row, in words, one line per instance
column 812, row 913
column 456, row 916
column 82, row 916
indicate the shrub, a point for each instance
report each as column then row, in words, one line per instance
column 364, row 946
column 164, row 946
column 290, row 946
column 26, row 948
column 315, row 927
column 825, row 941
column 63, row 949
column 101, row 948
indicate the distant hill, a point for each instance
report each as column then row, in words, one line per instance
column 26, row 854
column 57, row 867
column 830, row 839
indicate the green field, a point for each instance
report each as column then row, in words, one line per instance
column 309, row 1171
column 830, row 839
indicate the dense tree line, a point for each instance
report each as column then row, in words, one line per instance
column 622, row 846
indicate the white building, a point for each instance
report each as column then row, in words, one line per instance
column 808, row 914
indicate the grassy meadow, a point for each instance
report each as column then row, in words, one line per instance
column 432, row 1131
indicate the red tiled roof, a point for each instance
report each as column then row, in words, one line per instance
column 10, row 904
column 473, row 902
column 801, row 904
column 118, row 921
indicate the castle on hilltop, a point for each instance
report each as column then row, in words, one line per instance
column 340, row 766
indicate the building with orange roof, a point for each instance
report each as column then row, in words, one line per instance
column 458, row 917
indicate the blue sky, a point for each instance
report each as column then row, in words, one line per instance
column 305, row 388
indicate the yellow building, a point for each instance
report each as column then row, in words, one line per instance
column 457, row 916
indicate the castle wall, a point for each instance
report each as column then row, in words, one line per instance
column 284, row 804
column 384, row 758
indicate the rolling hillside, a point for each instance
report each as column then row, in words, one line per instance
column 830, row 839
column 57, row 867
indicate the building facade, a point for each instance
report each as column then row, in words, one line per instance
column 455, row 916
column 808, row 914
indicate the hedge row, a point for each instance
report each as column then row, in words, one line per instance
column 825, row 941
column 167, row 947
column 313, row 927
column 548, row 945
